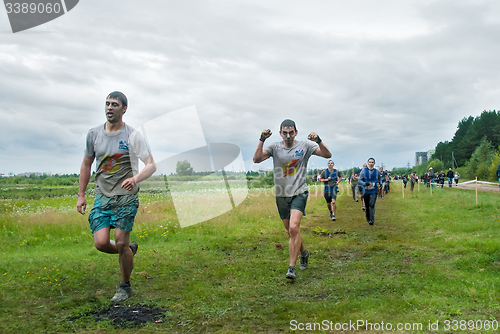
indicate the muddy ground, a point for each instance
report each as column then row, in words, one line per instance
column 129, row 315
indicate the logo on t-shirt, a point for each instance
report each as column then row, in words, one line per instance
column 290, row 168
column 110, row 163
column 299, row 153
column 123, row 145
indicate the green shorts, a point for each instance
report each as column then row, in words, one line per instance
column 116, row 212
column 285, row 204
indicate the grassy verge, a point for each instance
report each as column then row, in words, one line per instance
column 426, row 259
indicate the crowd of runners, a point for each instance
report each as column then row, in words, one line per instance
column 290, row 158
column 378, row 186
column 117, row 147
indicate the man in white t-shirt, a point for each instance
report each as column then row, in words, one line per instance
column 116, row 147
column 290, row 159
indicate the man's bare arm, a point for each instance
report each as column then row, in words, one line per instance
column 83, row 182
column 146, row 172
column 323, row 151
column 261, row 155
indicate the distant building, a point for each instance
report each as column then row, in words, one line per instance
column 420, row 158
column 263, row 170
column 27, row 174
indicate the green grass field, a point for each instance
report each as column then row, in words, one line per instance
column 427, row 260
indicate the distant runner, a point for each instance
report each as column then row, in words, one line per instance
column 360, row 188
column 353, row 180
column 450, row 176
column 413, row 180
column 369, row 179
column 331, row 178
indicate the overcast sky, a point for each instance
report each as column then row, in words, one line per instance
column 372, row 78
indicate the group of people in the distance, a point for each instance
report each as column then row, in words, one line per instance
column 430, row 178
column 332, row 177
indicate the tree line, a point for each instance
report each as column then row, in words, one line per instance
column 474, row 148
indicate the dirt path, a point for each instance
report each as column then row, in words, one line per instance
column 480, row 187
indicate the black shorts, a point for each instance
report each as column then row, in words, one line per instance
column 330, row 195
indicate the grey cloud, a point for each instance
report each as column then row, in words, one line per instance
column 247, row 66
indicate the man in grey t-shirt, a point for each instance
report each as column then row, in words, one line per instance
column 290, row 169
column 117, row 148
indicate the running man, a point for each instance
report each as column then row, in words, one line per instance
column 369, row 179
column 382, row 181
column 290, row 159
column 116, row 146
column 331, row 178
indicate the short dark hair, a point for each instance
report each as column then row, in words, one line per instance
column 288, row 122
column 118, row 96
column 370, row 159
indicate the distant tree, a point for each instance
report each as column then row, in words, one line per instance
column 468, row 137
column 480, row 160
column 183, row 168
column 492, row 170
column 443, row 152
column 436, row 164
column 267, row 180
column 401, row 171
column 459, row 152
column 48, row 181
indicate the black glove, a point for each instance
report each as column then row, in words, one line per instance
column 367, row 184
column 266, row 133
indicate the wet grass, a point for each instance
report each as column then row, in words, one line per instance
column 426, row 259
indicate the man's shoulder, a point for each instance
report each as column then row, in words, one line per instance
column 95, row 131
column 307, row 143
column 277, row 144
column 273, row 146
column 129, row 128
column 97, row 128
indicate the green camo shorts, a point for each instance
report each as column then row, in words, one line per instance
column 116, row 212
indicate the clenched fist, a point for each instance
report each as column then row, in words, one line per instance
column 266, row 133
column 314, row 137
